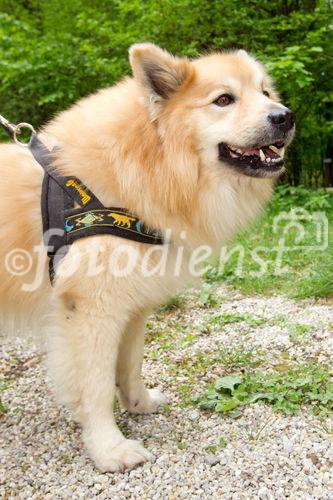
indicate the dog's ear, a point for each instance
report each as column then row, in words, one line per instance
column 159, row 73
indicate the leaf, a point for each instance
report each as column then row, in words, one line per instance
column 260, row 396
column 236, row 413
column 207, row 405
column 3, row 409
column 222, row 443
column 228, row 382
column 225, row 406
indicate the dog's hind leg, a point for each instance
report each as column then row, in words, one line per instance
column 132, row 393
column 83, row 356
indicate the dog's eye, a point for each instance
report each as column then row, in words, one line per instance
column 265, row 93
column 224, row 100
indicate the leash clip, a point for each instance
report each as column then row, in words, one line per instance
column 9, row 127
column 15, row 130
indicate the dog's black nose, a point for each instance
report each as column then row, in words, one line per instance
column 282, row 119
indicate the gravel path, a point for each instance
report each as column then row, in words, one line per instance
column 267, row 455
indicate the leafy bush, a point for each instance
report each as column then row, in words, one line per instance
column 52, row 53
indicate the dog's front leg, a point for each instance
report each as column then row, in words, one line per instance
column 83, row 357
column 132, row 393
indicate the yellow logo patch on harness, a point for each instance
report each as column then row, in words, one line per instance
column 85, row 197
column 88, row 219
column 110, row 221
column 122, row 220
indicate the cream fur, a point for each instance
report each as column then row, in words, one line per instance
column 148, row 144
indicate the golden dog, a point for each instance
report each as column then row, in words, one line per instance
column 192, row 148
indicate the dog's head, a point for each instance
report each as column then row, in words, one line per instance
column 223, row 105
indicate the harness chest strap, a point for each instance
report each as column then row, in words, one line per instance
column 59, row 194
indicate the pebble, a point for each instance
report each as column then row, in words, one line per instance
column 212, row 459
column 193, row 415
column 287, row 445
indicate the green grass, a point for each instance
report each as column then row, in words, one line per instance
column 308, row 386
column 222, row 319
column 207, row 297
column 303, row 272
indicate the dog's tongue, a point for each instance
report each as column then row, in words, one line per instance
column 256, row 151
column 249, row 152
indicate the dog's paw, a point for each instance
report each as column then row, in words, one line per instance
column 126, row 455
column 150, row 401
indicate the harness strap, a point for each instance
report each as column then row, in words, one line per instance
column 71, row 185
column 59, row 195
column 54, row 201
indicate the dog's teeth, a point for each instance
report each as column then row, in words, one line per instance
column 274, row 148
column 233, row 155
column 239, row 151
column 268, row 160
column 262, row 155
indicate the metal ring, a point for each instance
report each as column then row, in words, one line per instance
column 17, row 131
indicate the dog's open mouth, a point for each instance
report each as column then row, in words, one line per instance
column 260, row 161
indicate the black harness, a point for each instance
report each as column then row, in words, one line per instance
column 63, row 223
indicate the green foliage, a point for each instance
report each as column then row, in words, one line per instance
column 3, row 409
column 222, row 443
column 239, row 358
column 222, row 319
column 306, row 269
column 52, row 53
column 227, row 318
column 288, row 392
column 207, row 297
column 287, row 197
